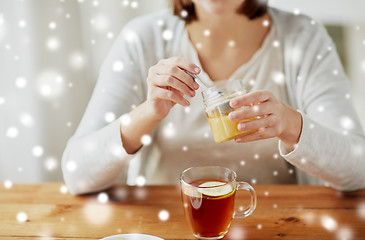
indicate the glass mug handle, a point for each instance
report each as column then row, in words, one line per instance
column 251, row 207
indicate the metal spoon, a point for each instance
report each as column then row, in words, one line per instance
column 198, row 80
column 222, row 106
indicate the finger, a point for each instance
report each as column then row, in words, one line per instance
column 250, row 99
column 185, row 64
column 187, row 79
column 264, row 122
column 263, row 133
column 171, row 81
column 260, row 110
column 170, row 95
column 178, row 73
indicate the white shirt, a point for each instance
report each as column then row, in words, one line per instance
column 302, row 72
column 184, row 138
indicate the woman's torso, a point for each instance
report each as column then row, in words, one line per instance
column 184, row 138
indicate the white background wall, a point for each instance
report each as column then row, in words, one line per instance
column 30, row 117
column 349, row 14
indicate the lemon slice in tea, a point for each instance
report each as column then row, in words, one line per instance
column 215, row 189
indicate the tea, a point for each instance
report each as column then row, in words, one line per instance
column 210, row 208
column 208, row 194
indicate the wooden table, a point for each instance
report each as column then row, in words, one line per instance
column 283, row 212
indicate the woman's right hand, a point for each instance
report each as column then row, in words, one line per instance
column 168, row 83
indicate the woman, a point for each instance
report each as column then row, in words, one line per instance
column 288, row 63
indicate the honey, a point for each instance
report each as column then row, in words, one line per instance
column 217, row 108
column 224, row 129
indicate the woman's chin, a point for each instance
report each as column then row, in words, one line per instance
column 218, row 11
column 220, row 8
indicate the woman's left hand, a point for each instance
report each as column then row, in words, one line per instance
column 272, row 118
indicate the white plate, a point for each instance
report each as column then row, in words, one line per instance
column 131, row 237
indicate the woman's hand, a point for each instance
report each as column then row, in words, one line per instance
column 168, row 83
column 275, row 119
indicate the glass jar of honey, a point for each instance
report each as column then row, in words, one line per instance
column 217, row 108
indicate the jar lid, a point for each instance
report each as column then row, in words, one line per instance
column 213, row 96
column 222, row 93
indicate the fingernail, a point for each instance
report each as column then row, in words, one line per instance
column 234, row 103
column 241, row 126
column 232, row 115
column 197, row 70
column 196, row 86
column 192, row 93
column 187, row 103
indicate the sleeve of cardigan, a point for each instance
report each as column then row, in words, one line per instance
column 332, row 142
column 95, row 156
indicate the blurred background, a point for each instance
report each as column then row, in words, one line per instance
column 51, row 52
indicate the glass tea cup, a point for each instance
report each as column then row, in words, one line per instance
column 216, row 101
column 208, row 195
